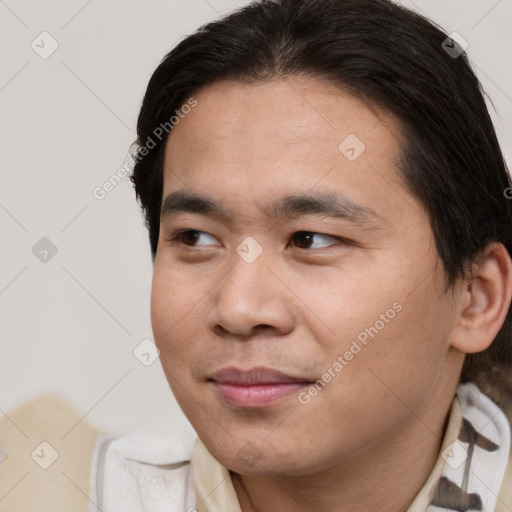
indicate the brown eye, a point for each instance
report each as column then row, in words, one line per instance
column 305, row 239
column 302, row 239
column 190, row 237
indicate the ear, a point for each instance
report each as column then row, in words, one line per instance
column 484, row 301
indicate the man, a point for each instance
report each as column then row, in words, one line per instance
column 328, row 215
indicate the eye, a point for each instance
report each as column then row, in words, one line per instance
column 302, row 239
column 190, row 237
column 306, row 238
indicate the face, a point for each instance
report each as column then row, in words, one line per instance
column 299, row 311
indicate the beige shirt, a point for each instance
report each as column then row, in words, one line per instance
column 211, row 474
column 55, row 476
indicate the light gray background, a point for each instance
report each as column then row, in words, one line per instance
column 68, row 327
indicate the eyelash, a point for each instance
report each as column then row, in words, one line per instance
column 175, row 238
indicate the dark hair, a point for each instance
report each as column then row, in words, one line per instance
column 391, row 57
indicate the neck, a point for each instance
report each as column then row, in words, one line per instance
column 386, row 479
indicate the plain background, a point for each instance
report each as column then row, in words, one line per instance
column 69, row 326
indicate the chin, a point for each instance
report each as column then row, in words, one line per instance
column 254, row 457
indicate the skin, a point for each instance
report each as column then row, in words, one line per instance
column 369, row 438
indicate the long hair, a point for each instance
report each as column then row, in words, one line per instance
column 385, row 54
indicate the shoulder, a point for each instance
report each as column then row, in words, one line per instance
column 141, row 471
column 504, row 502
column 52, row 459
column 45, row 455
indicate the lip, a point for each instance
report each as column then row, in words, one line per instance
column 255, row 387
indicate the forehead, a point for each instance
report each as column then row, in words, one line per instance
column 293, row 112
column 246, row 143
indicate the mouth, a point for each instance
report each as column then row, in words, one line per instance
column 256, row 387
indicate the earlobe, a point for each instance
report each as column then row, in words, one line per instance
column 485, row 301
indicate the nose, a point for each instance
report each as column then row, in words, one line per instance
column 251, row 298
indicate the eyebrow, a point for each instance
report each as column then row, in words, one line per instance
column 325, row 204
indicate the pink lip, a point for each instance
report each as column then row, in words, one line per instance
column 256, row 387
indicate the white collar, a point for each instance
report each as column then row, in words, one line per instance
column 466, row 476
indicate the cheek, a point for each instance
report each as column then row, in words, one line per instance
column 384, row 326
column 175, row 314
column 175, row 319
column 402, row 360
column 342, row 304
